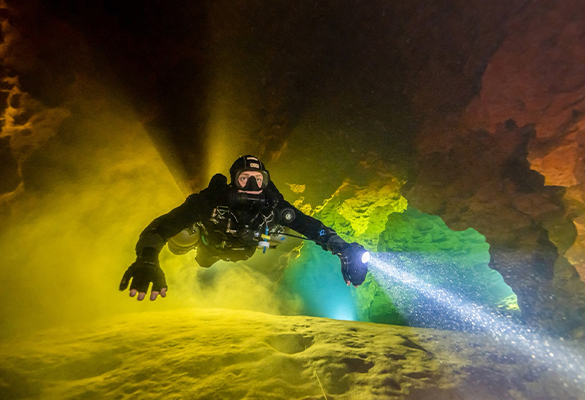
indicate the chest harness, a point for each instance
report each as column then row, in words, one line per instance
column 239, row 229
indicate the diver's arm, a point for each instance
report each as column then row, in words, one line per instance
column 314, row 229
column 193, row 210
column 353, row 269
column 146, row 268
column 353, row 266
column 302, row 223
column 161, row 229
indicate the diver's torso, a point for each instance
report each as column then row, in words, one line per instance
column 223, row 224
column 240, row 227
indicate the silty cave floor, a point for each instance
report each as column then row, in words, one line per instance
column 237, row 354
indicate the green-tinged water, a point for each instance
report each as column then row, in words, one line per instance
column 456, row 262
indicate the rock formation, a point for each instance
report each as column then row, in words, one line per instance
column 211, row 353
column 510, row 163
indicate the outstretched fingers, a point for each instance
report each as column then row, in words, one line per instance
column 155, row 293
column 159, row 285
column 141, row 295
column 345, row 275
column 139, row 275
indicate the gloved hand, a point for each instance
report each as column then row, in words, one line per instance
column 143, row 271
column 353, row 269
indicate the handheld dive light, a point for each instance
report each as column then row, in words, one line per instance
column 354, row 260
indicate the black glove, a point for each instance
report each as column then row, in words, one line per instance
column 353, row 269
column 143, row 271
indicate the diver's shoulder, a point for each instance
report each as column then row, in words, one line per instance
column 218, row 181
column 218, row 186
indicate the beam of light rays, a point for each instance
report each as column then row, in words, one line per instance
column 448, row 310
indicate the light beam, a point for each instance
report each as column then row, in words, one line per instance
column 557, row 355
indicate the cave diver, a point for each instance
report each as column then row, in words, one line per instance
column 230, row 222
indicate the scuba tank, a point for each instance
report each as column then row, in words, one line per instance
column 185, row 241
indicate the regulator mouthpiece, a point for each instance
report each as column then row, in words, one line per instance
column 247, row 199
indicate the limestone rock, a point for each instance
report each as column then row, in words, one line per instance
column 474, row 168
column 215, row 353
column 536, row 77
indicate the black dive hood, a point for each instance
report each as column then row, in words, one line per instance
column 249, row 163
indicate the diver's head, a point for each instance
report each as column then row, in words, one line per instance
column 249, row 175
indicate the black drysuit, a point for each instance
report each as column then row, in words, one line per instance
column 229, row 231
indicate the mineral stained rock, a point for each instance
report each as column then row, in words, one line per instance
column 213, row 353
column 509, row 162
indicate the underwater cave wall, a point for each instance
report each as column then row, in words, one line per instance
column 510, row 163
column 420, row 245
